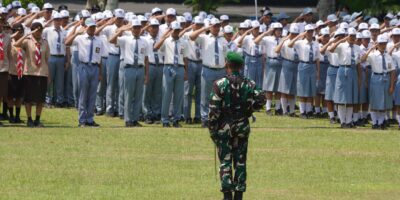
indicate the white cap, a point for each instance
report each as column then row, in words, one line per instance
column 16, row 4
column 154, row 22
column 366, row 34
column 352, row 31
column 396, row 31
column 374, row 26
column 344, row 25
column 180, row 19
column 119, row 13
column 107, row 14
column 340, row 31
column 210, row 16
column 64, row 13
column 136, row 22
column 324, row 31
column 56, row 15
column 90, row 22
column 248, row 22
column 373, row 20
column 198, row 20
column 98, row 16
column 224, row 17
column 353, row 24
column 21, row 11
column 363, row 26
column 206, row 22
column 294, row 28
column 319, row 23
column 142, row 18
column 359, row 35
column 203, row 14
column 393, row 22
column 382, row 38
column 332, row 18
column 309, row 27
column 47, row 6
column 398, row 14
column 262, row 28
column 38, row 21
column 214, row 21
column 3, row 10
column 156, row 10
column 31, row 5
column 276, row 25
column 243, row 25
column 389, row 15
column 255, row 24
column 35, row 9
column 9, row 7
column 85, row 13
column 175, row 25
column 77, row 17
column 228, row 29
column 188, row 16
column 170, row 11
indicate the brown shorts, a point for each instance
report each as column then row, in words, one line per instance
column 15, row 87
column 35, row 89
column 3, row 84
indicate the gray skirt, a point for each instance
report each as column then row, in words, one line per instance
column 346, row 86
column 380, row 99
column 397, row 91
column 288, row 78
column 363, row 89
column 254, row 69
column 306, row 80
column 330, row 82
column 271, row 75
column 321, row 83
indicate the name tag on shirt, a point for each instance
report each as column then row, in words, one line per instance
column 97, row 49
column 141, row 50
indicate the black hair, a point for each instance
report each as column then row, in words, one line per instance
column 36, row 25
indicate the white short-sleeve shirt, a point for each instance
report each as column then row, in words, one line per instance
column 128, row 44
column 302, row 47
column 269, row 43
column 168, row 49
column 83, row 43
column 208, row 53
column 375, row 58
column 344, row 53
column 56, row 45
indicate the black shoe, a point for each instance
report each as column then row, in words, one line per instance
column 59, row 105
column 182, row 119
column 343, row 125
column 11, row 120
column 279, row 112
column 81, row 125
column 137, row 124
column 38, row 124
column 365, row 121
column 166, row 125
column 332, row 120
column 303, row 116
column 268, row 112
column 121, row 117
column 176, row 124
column 129, row 124
column 149, row 121
column 325, row 115
column 99, row 113
column 253, row 118
column 238, row 195
column 227, row 196
column 116, row 114
column 292, row 115
column 30, row 123
column 204, row 124
column 1, row 124
column 18, row 120
column 93, row 124
column 386, row 123
column 351, row 125
column 196, row 120
column 188, row 121
column 375, row 126
column 382, row 127
column 317, row 115
column 360, row 123
column 310, row 114
column 392, row 121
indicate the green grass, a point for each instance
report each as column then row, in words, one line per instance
column 288, row 159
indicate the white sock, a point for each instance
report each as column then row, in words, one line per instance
column 277, row 105
column 394, row 114
column 324, row 110
column 284, row 103
column 342, row 113
column 381, row 118
column 374, row 118
column 317, row 109
column 268, row 104
column 302, row 107
column 292, row 104
column 387, row 115
column 331, row 115
column 308, row 107
column 349, row 114
column 365, row 113
column 356, row 116
column 398, row 118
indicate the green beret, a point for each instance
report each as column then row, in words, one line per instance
column 234, row 58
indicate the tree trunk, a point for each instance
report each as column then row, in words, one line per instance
column 112, row 4
column 325, row 7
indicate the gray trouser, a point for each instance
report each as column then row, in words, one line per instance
column 55, row 92
column 193, row 82
column 68, row 86
column 75, row 83
column 173, row 80
column 112, row 84
column 133, row 92
column 153, row 92
column 120, row 93
column 208, row 76
column 102, row 87
column 88, row 78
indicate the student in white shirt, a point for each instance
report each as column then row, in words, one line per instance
column 323, row 70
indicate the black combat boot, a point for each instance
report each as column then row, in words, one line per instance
column 238, row 195
column 227, row 196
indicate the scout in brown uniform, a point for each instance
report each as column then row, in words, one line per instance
column 15, row 81
column 36, row 71
column 4, row 62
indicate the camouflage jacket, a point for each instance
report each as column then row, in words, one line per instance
column 232, row 101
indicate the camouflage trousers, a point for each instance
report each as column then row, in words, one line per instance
column 232, row 150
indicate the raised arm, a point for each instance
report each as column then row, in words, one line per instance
column 291, row 43
column 99, row 29
column 395, row 46
column 70, row 39
column 336, row 44
column 196, row 34
column 280, row 45
column 158, row 45
column 365, row 56
column 241, row 38
column 258, row 39
column 119, row 32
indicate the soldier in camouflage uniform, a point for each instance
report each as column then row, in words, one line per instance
column 232, row 102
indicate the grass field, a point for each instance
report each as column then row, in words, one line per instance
column 288, row 159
